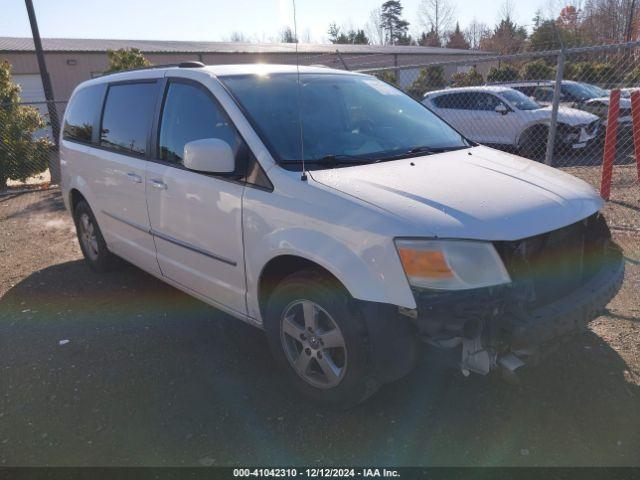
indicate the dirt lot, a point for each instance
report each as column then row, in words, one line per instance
column 150, row 376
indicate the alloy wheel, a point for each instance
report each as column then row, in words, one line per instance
column 313, row 344
column 88, row 237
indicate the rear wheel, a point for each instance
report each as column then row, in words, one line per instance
column 318, row 337
column 92, row 243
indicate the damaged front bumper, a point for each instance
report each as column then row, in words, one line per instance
column 501, row 327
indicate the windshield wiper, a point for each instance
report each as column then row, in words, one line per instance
column 342, row 159
column 420, row 149
column 333, row 160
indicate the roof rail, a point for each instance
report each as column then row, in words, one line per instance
column 187, row 64
column 517, row 82
column 191, row 64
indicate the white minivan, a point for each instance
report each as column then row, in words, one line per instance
column 336, row 213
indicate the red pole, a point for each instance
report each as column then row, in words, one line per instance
column 610, row 144
column 635, row 113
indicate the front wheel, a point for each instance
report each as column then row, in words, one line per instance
column 319, row 339
column 533, row 143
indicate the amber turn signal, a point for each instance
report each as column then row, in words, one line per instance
column 424, row 263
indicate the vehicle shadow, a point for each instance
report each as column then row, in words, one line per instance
column 121, row 369
column 48, row 202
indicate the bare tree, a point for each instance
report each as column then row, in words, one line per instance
column 475, row 32
column 306, row 36
column 374, row 29
column 287, row 35
column 553, row 7
column 606, row 21
column 437, row 16
column 507, row 10
column 238, row 37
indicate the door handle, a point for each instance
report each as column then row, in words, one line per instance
column 134, row 177
column 159, row 184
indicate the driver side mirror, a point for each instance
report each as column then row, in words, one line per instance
column 502, row 109
column 209, row 155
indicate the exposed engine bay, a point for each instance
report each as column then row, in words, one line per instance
column 560, row 281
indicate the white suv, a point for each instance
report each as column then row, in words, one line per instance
column 582, row 96
column 395, row 229
column 502, row 116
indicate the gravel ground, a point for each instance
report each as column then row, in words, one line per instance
column 121, row 369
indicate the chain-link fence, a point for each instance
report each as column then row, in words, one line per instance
column 551, row 106
column 560, row 107
column 28, row 152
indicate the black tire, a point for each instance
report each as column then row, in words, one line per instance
column 533, row 142
column 97, row 255
column 357, row 381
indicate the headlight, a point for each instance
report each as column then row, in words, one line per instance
column 451, row 264
column 570, row 134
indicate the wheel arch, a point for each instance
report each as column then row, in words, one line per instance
column 76, row 189
column 75, row 196
column 530, row 127
column 280, row 267
column 373, row 273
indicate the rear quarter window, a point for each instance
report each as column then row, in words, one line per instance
column 451, row 100
column 458, row 101
column 82, row 114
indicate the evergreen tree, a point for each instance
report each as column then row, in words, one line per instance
column 287, row 36
column 537, row 70
column 21, row 155
column 470, row 79
column 392, row 23
column 504, row 73
column 430, row 78
column 457, row 40
column 430, row 39
column 126, row 59
column 352, row 37
column 506, row 38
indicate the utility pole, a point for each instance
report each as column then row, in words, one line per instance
column 630, row 21
column 54, row 170
column 557, row 90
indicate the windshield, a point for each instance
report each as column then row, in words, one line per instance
column 600, row 92
column 578, row 91
column 345, row 118
column 520, row 100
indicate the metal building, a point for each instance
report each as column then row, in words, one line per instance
column 73, row 60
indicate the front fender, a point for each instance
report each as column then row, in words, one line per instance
column 373, row 273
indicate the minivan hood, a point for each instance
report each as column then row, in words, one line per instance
column 477, row 193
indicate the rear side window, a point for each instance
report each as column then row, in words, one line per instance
column 189, row 114
column 543, row 94
column 82, row 114
column 527, row 90
column 445, row 101
column 457, row 101
column 126, row 121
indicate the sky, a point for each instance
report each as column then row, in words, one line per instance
column 215, row 20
